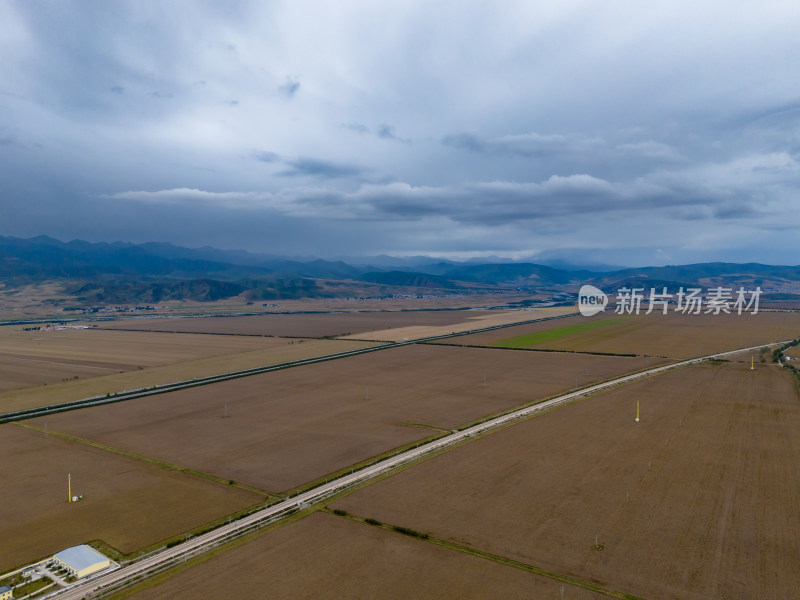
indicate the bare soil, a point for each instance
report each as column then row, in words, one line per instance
column 324, row 556
column 128, row 503
column 472, row 320
column 673, row 335
column 300, row 325
column 30, row 358
column 700, row 499
column 270, row 351
column 290, row 427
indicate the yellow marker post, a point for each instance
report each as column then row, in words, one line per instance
column 637, row 411
column 751, row 363
column 69, row 487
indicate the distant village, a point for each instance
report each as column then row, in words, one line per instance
column 110, row 309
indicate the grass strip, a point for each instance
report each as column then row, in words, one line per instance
column 779, row 356
column 32, row 587
column 495, row 346
column 548, row 335
column 425, row 426
column 425, row 537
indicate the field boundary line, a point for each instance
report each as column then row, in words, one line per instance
column 363, row 464
column 148, row 459
column 178, row 385
column 426, row 426
column 549, row 335
column 323, row 493
column 779, row 356
column 550, row 350
column 173, row 332
column 426, row 537
column 31, row 413
column 127, row 589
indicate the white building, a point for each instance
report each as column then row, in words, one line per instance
column 82, row 561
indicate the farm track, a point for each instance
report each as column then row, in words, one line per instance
column 171, row 387
column 171, row 557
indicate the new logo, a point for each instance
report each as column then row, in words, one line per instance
column 591, row 300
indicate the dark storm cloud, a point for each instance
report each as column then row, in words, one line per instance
column 527, row 144
column 579, row 198
column 383, row 131
column 323, row 169
column 735, row 212
column 387, row 132
column 266, row 157
column 610, row 124
column 356, row 127
column 8, row 140
column 786, row 112
column 465, row 141
column 290, row 88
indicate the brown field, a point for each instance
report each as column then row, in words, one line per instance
column 472, row 321
column 43, row 301
column 127, row 503
column 701, row 499
column 300, row 325
column 673, row 335
column 271, row 351
column 29, row 358
column 453, row 301
column 290, row 427
column 782, row 303
column 323, row 556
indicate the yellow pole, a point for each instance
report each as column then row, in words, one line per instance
column 69, row 487
column 637, row 411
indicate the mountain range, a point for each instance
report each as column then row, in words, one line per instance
column 119, row 272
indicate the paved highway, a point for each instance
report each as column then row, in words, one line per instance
column 194, row 546
column 31, row 413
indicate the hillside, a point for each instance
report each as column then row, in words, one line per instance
column 96, row 274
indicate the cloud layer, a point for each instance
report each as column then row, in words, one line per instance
column 649, row 133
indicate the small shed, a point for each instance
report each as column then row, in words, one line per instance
column 82, row 561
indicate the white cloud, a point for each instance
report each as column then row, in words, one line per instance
column 552, row 202
column 526, row 119
column 228, row 200
column 652, row 149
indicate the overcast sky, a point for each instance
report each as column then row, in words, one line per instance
column 627, row 133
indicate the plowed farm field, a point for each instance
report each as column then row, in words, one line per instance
column 54, row 370
column 472, row 322
column 29, row 358
column 324, row 556
column 700, row 499
column 127, row 503
column 300, row 324
column 674, row 335
column 279, row 430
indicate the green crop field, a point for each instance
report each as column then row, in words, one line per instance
column 548, row 335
